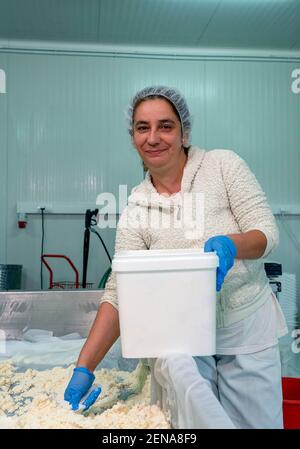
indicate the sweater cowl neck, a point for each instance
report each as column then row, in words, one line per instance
column 145, row 194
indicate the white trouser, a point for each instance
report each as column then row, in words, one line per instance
column 242, row 391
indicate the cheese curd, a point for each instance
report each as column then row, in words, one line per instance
column 34, row 400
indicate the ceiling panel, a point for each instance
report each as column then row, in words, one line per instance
column 265, row 24
column 70, row 20
column 252, row 23
column 154, row 22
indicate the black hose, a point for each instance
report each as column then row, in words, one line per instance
column 86, row 247
column 93, row 230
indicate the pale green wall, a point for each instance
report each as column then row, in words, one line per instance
column 63, row 119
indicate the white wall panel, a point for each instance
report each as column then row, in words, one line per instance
column 254, row 112
column 68, row 142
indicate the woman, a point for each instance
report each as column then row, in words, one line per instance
column 245, row 375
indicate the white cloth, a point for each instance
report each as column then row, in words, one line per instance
column 248, row 387
column 185, row 395
column 229, row 391
column 240, row 387
column 255, row 333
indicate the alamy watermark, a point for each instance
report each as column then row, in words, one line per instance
column 2, row 82
column 295, row 346
column 153, row 211
column 295, row 86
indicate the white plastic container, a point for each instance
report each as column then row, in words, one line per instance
column 167, row 302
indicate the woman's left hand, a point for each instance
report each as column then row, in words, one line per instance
column 226, row 251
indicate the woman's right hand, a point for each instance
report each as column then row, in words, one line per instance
column 81, row 381
column 104, row 332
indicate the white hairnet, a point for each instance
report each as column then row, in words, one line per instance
column 172, row 95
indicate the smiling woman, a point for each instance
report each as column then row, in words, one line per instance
column 160, row 130
column 238, row 225
column 158, row 139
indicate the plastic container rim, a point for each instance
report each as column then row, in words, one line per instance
column 161, row 260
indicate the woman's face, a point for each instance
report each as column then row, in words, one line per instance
column 157, row 133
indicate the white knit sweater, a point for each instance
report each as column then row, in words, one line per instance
column 233, row 203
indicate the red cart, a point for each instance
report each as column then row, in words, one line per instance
column 63, row 284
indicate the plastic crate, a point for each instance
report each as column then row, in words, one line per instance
column 10, row 277
column 291, row 402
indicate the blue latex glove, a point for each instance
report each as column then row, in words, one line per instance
column 91, row 397
column 81, row 380
column 226, row 251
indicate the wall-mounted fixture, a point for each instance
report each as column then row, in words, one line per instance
column 22, row 220
column 34, row 208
